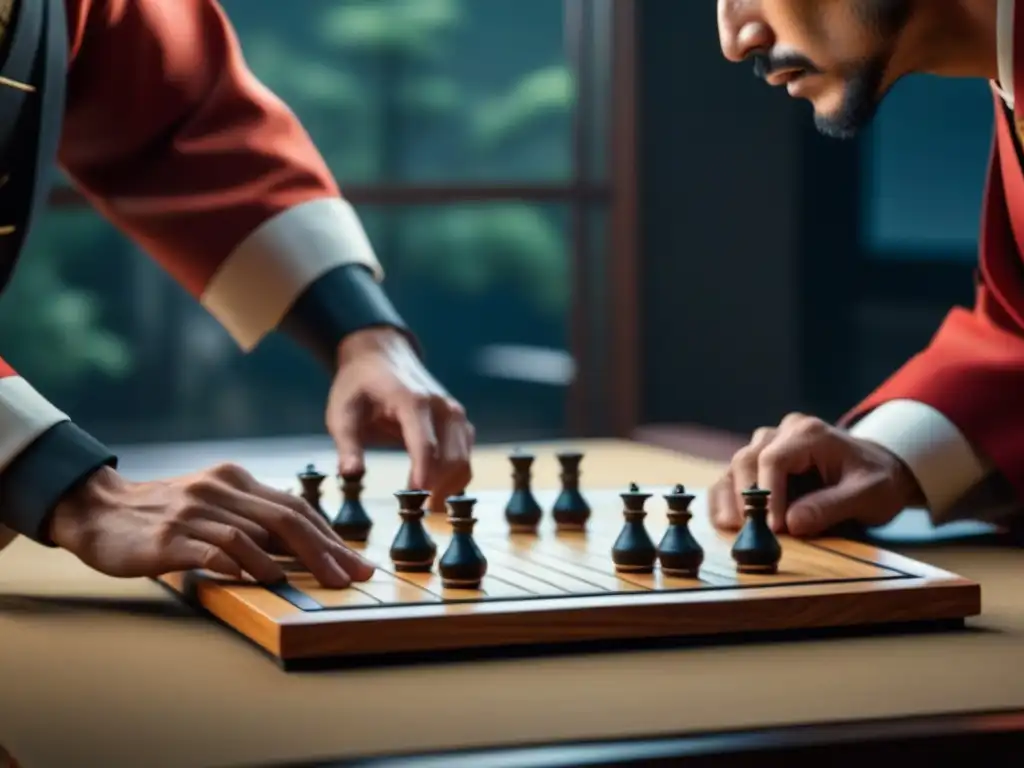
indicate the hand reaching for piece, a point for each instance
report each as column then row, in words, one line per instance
column 382, row 391
column 221, row 520
column 862, row 481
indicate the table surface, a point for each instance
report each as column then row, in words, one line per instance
column 99, row 671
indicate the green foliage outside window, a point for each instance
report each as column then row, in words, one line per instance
column 392, row 91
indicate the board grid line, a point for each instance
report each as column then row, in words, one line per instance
column 308, row 604
column 561, row 587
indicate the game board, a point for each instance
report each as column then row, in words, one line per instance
column 555, row 584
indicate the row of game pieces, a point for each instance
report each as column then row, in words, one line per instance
column 755, row 550
column 413, row 550
column 523, row 513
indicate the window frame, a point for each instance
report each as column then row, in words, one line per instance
column 598, row 33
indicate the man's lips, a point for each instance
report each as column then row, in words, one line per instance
column 785, row 77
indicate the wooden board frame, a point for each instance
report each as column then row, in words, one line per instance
column 845, row 584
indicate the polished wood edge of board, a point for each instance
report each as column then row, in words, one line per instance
column 805, row 608
column 996, row 735
column 916, row 592
column 260, row 622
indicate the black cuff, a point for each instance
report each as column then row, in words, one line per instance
column 57, row 462
column 342, row 301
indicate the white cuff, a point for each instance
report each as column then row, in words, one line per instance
column 258, row 283
column 24, row 415
column 944, row 463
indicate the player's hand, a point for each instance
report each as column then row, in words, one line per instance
column 221, row 520
column 383, row 392
column 861, row 481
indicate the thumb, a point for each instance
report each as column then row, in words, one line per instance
column 819, row 511
column 345, row 427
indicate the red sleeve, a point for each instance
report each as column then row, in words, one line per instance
column 172, row 138
column 972, row 372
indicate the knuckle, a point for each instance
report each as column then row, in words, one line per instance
column 211, row 558
column 230, row 472
column 418, row 398
column 234, row 538
column 203, row 487
column 807, row 425
column 168, row 531
column 745, row 455
column 288, row 522
column 814, row 426
column 456, row 411
column 185, row 509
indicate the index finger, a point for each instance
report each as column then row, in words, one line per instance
column 786, row 456
column 416, row 420
column 351, row 561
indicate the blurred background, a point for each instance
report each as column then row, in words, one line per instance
column 594, row 223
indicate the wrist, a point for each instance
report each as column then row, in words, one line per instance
column 908, row 489
column 374, row 341
column 74, row 516
column 342, row 303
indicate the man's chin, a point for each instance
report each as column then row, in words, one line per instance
column 836, row 129
column 847, row 124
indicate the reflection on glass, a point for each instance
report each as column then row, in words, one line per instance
column 420, row 90
column 131, row 357
column 925, row 163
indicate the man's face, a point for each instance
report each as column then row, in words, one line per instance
column 837, row 54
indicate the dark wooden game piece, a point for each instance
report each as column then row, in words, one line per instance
column 311, row 481
column 571, row 510
column 412, row 549
column 463, row 565
column 352, row 522
column 634, row 551
column 756, row 550
column 522, row 512
column 829, row 584
column 679, row 552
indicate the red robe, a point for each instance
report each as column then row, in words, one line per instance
column 170, row 136
column 973, row 369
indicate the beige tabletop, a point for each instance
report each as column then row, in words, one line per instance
column 105, row 672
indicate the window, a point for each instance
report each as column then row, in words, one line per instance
column 421, row 90
column 455, row 128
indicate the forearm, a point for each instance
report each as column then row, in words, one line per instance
column 343, row 301
column 43, row 455
column 310, row 273
column 190, row 156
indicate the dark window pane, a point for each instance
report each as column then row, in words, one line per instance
column 109, row 337
column 925, row 164
column 422, row 90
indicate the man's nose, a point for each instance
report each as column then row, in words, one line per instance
column 742, row 29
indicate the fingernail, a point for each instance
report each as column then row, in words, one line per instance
column 367, row 563
column 343, row 579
